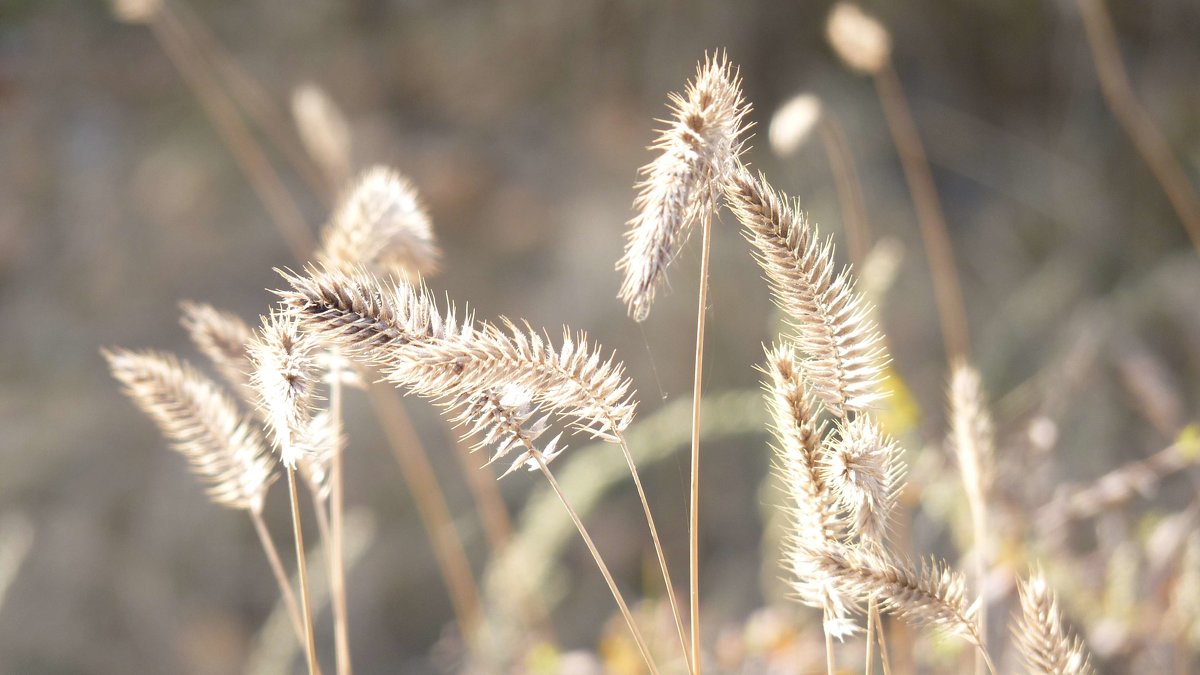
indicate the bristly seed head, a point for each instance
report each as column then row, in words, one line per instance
column 285, row 375
column 382, row 226
column 681, row 186
column 863, row 470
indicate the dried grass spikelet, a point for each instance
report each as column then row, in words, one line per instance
column 380, row 224
column 793, row 122
column 135, row 11
column 972, row 435
column 930, row 596
column 285, row 376
column 323, row 130
column 858, row 38
column 833, row 327
column 863, row 470
column 680, row 188
column 399, row 328
column 815, row 522
column 221, row 446
column 1047, row 647
column 222, row 337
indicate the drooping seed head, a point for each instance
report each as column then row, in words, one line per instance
column 203, row 424
column 863, row 469
column 858, row 38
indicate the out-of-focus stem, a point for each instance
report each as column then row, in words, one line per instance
column 238, row 138
column 1114, row 84
column 431, row 505
column 938, row 249
column 849, row 187
column 337, row 565
column 587, row 539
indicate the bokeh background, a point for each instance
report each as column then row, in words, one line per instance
column 523, row 124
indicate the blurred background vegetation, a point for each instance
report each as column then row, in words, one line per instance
column 523, row 124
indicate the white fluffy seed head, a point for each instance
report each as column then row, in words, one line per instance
column 863, row 470
column 859, row 39
column 793, row 122
column 382, row 226
column 285, row 376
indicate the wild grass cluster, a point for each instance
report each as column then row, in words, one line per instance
column 361, row 309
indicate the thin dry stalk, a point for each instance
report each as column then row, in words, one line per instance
column 587, row 539
column 237, row 136
column 869, row 667
column 849, row 187
column 431, row 505
column 881, row 631
column 310, row 646
column 658, row 549
column 694, row 485
column 281, row 578
column 682, row 185
column 337, row 564
column 947, row 289
column 252, row 98
column 1149, row 141
column 1045, row 644
column 973, row 442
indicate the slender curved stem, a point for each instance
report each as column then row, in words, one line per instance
column 882, row 633
column 662, row 560
column 587, row 539
column 310, row 646
column 830, row 669
column 947, row 290
column 337, row 560
column 281, row 577
column 694, row 510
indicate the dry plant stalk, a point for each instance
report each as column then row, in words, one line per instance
column 864, row 44
column 285, row 376
column 1045, row 644
column 1149, row 141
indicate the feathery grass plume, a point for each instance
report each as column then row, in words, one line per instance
column 793, row 123
column 858, row 38
column 323, row 130
column 843, row 349
column 932, row 595
column 381, row 225
column 399, row 328
column 285, row 376
column 203, row 424
column 812, row 508
column 222, row 337
column 1047, row 647
column 972, row 435
column 863, row 470
column 681, row 186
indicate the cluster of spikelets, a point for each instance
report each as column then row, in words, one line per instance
column 508, row 384
column 842, row 473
